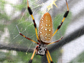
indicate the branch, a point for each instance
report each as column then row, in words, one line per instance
column 68, row 38
column 16, row 48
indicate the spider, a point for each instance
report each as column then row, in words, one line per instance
column 45, row 33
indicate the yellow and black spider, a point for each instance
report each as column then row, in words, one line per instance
column 45, row 33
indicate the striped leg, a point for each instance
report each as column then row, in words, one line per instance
column 25, row 36
column 28, row 38
column 49, row 56
column 31, row 13
column 30, row 61
column 55, row 41
column 65, row 15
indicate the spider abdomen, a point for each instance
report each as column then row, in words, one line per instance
column 45, row 28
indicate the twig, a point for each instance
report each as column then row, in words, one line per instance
column 16, row 48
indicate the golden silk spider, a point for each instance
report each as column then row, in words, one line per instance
column 45, row 33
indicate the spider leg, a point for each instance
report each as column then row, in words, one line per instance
column 31, row 13
column 65, row 15
column 25, row 36
column 30, row 61
column 28, row 38
column 49, row 56
column 55, row 41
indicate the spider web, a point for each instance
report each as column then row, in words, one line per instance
column 25, row 26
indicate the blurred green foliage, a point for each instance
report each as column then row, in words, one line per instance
column 26, row 27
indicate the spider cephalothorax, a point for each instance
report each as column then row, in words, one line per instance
column 45, row 33
column 41, row 49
